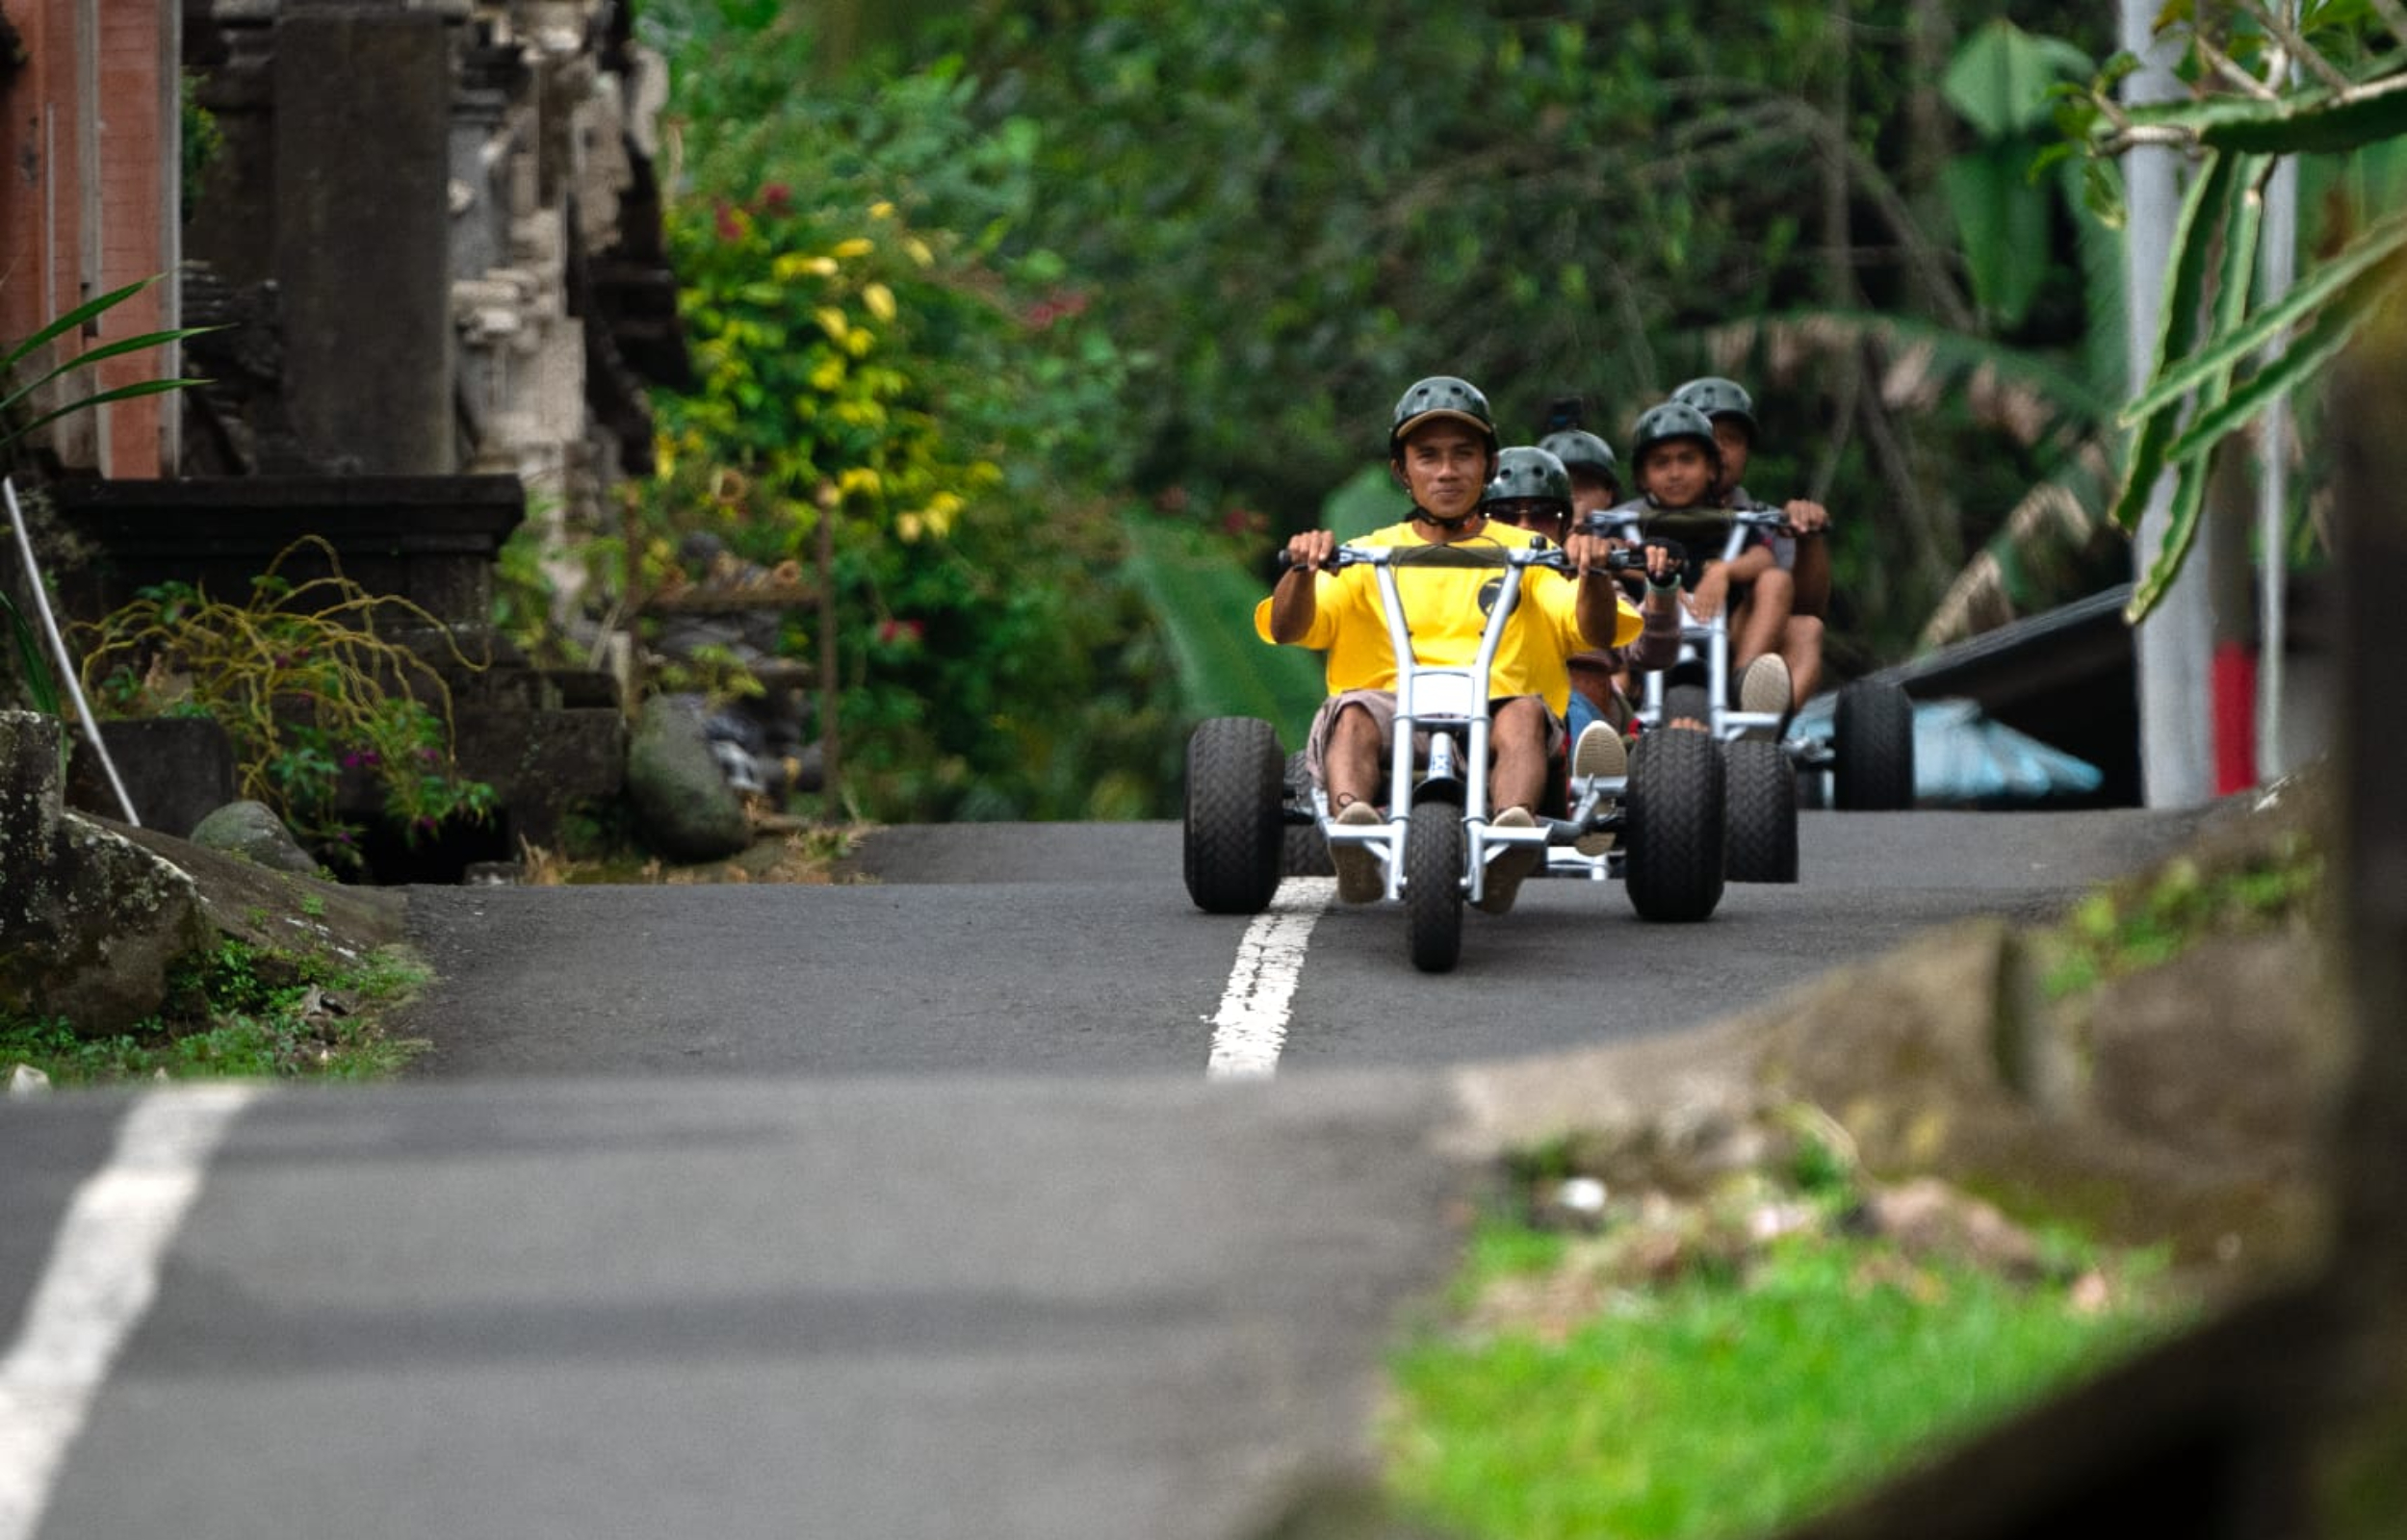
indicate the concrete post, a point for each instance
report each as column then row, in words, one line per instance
column 2175, row 645
column 363, row 92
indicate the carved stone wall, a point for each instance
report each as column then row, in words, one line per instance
column 555, row 305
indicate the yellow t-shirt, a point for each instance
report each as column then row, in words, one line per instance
column 1443, row 608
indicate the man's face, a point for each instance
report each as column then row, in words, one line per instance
column 1676, row 474
column 1732, row 436
column 1445, row 467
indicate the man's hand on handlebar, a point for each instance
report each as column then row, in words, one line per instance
column 1806, row 517
column 1589, row 553
column 1310, row 551
column 1663, row 559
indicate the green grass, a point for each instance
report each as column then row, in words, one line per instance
column 238, row 1011
column 1725, row 1405
column 2128, row 928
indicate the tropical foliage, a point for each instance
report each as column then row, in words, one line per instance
column 870, row 355
column 1064, row 312
column 2327, row 77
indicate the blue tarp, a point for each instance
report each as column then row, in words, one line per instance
column 1962, row 757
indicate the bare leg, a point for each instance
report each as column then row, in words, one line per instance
column 1518, row 738
column 1757, row 623
column 1350, row 759
column 1801, row 646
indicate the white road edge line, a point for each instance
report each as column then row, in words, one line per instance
column 101, row 1277
column 1252, row 1026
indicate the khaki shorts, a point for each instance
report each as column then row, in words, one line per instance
column 1381, row 707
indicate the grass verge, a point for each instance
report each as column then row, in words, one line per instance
column 1738, row 1395
column 236, row 1010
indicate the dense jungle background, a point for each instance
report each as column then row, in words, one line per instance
column 1066, row 313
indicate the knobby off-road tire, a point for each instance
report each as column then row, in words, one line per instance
column 1760, row 794
column 1232, row 825
column 1304, row 850
column 1674, row 831
column 1873, row 741
column 1433, row 885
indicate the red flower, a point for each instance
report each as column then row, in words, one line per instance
column 777, row 197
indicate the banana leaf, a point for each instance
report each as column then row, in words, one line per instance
column 1204, row 601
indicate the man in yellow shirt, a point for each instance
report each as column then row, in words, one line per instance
column 1442, row 446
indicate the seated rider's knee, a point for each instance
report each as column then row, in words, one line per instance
column 1521, row 720
column 1776, row 587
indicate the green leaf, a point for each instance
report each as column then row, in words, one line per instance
column 2204, row 213
column 123, row 393
column 1206, row 604
column 2004, row 222
column 2308, row 353
column 39, row 685
column 126, row 344
column 73, row 319
column 2227, row 349
column 2000, row 79
column 2181, row 532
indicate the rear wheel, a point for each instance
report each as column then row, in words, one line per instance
column 1760, row 793
column 1688, row 701
column 1872, row 742
column 1232, row 823
column 1673, row 827
column 1304, row 850
column 1433, row 885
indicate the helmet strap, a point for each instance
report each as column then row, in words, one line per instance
column 1422, row 515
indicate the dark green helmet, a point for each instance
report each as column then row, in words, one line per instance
column 1675, row 419
column 1442, row 396
column 1717, row 398
column 1579, row 450
column 1526, row 472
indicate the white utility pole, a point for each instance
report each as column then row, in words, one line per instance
column 2173, row 648
column 2275, row 756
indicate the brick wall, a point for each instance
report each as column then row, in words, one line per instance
column 44, row 202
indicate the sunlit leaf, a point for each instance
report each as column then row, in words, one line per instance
column 2204, row 212
column 2181, row 532
column 2334, row 275
column 2301, row 359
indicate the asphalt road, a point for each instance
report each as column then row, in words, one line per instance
column 1071, row 949
column 897, row 1209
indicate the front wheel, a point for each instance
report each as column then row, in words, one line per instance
column 1433, row 885
column 1673, row 827
column 1232, row 823
column 1873, row 743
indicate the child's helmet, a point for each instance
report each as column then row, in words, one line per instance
column 1675, row 419
column 1579, row 450
column 1527, row 473
column 1717, row 398
column 1442, row 396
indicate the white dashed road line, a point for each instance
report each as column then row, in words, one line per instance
column 102, row 1275
column 1252, row 1025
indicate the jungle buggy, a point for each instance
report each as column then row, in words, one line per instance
column 1434, row 847
column 1868, row 755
